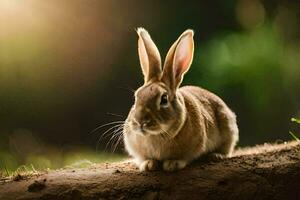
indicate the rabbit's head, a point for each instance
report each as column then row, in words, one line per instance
column 157, row 109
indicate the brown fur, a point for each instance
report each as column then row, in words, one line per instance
column 192, row 123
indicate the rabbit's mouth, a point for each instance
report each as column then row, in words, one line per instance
column 145, row 130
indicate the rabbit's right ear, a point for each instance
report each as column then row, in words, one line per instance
column 179, row 59
column 149, row 56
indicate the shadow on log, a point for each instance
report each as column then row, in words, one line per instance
column 263, row 172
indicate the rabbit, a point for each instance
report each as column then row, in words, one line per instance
column 172, row 125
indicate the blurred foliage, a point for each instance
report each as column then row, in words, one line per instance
column 251, row 70
column 295, row 120
column 250, row 60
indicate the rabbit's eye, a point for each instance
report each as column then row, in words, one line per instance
column 164, row 100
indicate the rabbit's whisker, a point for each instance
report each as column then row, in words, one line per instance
column 114, row 114
column 115, row 134
column 107, row 132
column 120, row 137
column 110, row 132
column 112, row 140
column 107, row 124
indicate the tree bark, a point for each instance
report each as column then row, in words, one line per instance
column 264, row 172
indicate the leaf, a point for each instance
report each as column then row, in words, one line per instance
column 294, row 136
column 295, row 120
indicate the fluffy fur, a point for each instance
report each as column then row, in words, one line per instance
column 175, row 125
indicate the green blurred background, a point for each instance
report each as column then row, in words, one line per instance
column 68, row 67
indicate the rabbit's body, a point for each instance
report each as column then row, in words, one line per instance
column 210, row 127
column 175, row 125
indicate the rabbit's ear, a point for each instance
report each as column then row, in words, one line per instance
column 179, row 59
column 149, row 56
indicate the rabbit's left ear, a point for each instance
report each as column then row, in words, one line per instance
column 179, row 59
column 149, row 56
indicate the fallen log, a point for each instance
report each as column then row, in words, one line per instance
column 263, row 172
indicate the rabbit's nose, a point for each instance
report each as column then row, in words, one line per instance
column 142, row 123
column 142, row 119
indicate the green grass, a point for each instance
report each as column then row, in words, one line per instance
column 21, row 170
column 293, row 136
column 35, row 164
column 290, row 132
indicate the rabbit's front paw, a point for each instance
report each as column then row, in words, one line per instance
column 173, row 165
column 148, row 165
column 215, row 157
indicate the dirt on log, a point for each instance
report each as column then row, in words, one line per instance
column 263, row 172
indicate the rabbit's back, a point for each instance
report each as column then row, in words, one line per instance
column 211, row 117
column 206, row 98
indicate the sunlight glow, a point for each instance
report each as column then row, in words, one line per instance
column 10, row 6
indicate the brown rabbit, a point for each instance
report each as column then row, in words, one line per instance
column 175, row 125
